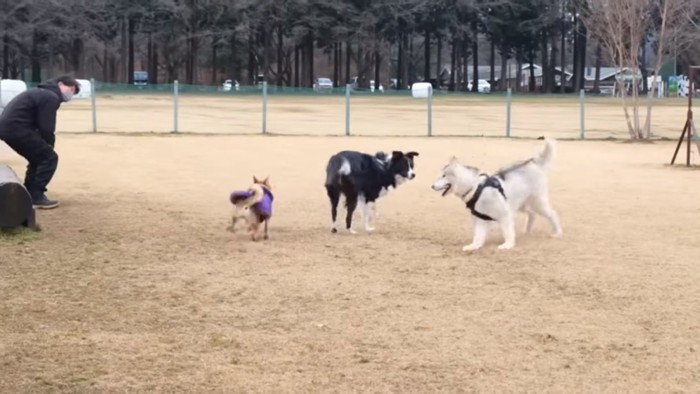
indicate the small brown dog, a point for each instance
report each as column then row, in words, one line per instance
column 254, row 206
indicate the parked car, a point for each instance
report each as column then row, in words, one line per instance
column 230, row 84
column 372, row 87
column 483, row 86
column 323, row 85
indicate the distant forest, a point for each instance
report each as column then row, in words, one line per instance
column 292, row 42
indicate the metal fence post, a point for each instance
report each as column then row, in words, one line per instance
column 647, row 124
column 582, row 96
column 94, row 105
column 509, row 94
column 264, row 108
column 430, row 111
column 347, row 109
column 175, row 105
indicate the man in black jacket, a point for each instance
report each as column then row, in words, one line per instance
column 28, row 124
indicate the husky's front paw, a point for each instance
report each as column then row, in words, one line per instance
column 506, row 245
column 369, row 229
column 469, row 248
column 352, row 231
column 558, row 235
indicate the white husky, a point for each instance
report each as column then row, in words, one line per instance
column 498, row 197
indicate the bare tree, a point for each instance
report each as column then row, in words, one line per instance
column 673, row 23
column 622, row 27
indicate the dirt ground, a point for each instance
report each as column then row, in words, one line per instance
column 133, row 284
column 375, row 115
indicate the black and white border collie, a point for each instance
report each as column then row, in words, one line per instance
column 364, row 178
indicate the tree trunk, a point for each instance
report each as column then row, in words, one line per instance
column 426, row 55
column 130, row 60
column 105, row 64
column 297, row 49
column 231, row 69
column 532, row 84
column 459, row 77
column 124, row 50
column 581, row 58
column 475, row 58
column 453, row 63
column 377, row 66
column 519, row 74
column 492, row 64
column 49, row 62
column 339, row 49
column 36, row 64
column 280, row 56
column 155, row 63
column 502, row 85
column 194, row 70
column 152, row 61
column 411, row 64
column 575, row 71
column 76, row 56
column 115, row 70
column 552, row 66
column 336, row 70
column 438, row 71
column 544, row 79
column 251, row 60
column 348, row 56
column 643, row 67
column 188, row 59
column 266, row 56
column 311, row 60
column 598, row 65
column 562, row 78
column 401, row 64
column 5, row 55
column 465, row 56
column 214, row 73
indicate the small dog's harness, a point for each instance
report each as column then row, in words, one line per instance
column 491, row 181
column 263, row 207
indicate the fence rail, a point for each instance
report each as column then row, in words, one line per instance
column 347, row 111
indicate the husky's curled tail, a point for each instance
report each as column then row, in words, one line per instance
column 546, row 155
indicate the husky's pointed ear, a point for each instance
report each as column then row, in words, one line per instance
column 395, row 155
column 266, row 180
column 412, row 154
column 255, row 179
column 453, row 159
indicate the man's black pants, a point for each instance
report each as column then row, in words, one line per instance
column 42, row 159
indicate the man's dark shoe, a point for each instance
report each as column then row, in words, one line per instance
column 44, row 203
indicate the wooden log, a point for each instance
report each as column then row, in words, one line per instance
column 16, row 208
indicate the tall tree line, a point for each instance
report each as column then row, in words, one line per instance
column 206, row 41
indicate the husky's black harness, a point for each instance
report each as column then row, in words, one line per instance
column 491, row 181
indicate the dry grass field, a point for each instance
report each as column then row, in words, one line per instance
column 133, row 284
column 371, row 115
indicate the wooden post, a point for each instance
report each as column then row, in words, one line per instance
column 16, row 208
column 689, row 128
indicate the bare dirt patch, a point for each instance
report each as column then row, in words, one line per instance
column 134, row 284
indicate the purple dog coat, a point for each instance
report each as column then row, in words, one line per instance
column 264, row 207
